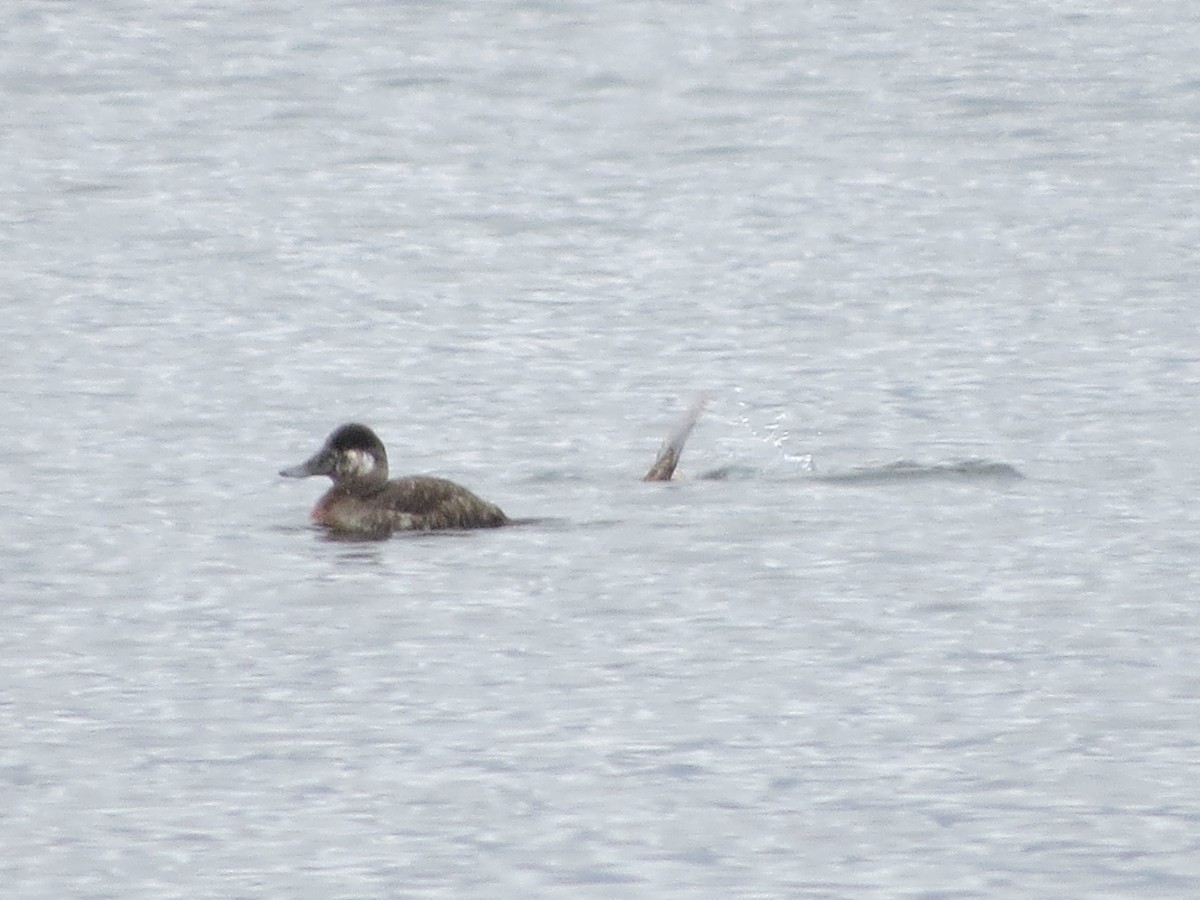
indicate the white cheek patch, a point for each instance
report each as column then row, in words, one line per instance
column 359, row 462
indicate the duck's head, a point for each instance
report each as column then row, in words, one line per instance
column 352, row 453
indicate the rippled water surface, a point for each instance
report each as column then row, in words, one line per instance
column 906, row 248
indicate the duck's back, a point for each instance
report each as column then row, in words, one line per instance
column 414, row 503
column 439, row 503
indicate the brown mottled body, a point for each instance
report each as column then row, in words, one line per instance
column 415, row 503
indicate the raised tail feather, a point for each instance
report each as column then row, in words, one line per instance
column 672, row 448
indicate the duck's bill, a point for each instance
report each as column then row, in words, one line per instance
column 318, row 465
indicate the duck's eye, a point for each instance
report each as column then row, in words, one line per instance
column 359, row 462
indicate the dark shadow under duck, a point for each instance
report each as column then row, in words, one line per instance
column 364, row 502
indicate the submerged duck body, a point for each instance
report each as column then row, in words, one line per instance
column 364, row 501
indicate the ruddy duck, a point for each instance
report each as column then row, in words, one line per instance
column 363, row 501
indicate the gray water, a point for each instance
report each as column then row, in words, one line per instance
column 518, row 239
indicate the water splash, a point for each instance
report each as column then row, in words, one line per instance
column 776, row 434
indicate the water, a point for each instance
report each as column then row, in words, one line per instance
column 518, row 239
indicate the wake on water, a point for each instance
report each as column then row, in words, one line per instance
column 777, row 436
